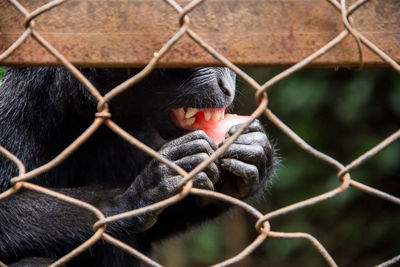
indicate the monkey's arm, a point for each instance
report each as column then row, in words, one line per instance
column 33, row 224
column 37, row 225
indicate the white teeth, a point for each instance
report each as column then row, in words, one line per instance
column 191, row 112
column 216, row 116
column 181, row 113
column 188, row 116
column 207, row 115
column 189, row 122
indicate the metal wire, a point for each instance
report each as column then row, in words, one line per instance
column 104, row 117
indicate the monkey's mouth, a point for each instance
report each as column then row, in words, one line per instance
column 196, row 118
column 213, row 121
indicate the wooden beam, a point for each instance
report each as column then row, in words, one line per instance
column 123, row 33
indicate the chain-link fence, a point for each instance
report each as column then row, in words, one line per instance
column 103, row 117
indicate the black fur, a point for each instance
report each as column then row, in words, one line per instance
column 42, row 110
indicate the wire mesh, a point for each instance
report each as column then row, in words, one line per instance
column 103, row 117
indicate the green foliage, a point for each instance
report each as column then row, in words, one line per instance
column 2, row 70
column 394, row 94
column 206, row 244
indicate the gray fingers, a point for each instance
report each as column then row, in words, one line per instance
column 253, row 154
column 190, row 162
column 254, row 127
column 248, row 172
column 188, row 152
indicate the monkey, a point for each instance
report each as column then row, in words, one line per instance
column 44, row 109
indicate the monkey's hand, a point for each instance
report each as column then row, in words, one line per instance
column 157, row 181
column 246, row 164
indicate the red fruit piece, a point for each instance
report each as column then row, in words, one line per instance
column 217, row 130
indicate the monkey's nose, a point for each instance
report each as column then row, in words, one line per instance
column 224, row 88
column 226, row 81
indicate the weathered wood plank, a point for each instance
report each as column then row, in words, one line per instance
column 248, row 32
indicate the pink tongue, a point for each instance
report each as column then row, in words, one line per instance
column 217, row 130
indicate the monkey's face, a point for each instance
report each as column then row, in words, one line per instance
column 193, row 96
column 172, row 100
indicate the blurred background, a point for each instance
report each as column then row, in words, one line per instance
column 342, row 113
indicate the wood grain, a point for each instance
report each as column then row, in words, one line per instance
column 123, row 33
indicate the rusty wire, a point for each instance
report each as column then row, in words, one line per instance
column 104, row 117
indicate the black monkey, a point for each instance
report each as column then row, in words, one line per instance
column 42, row 110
